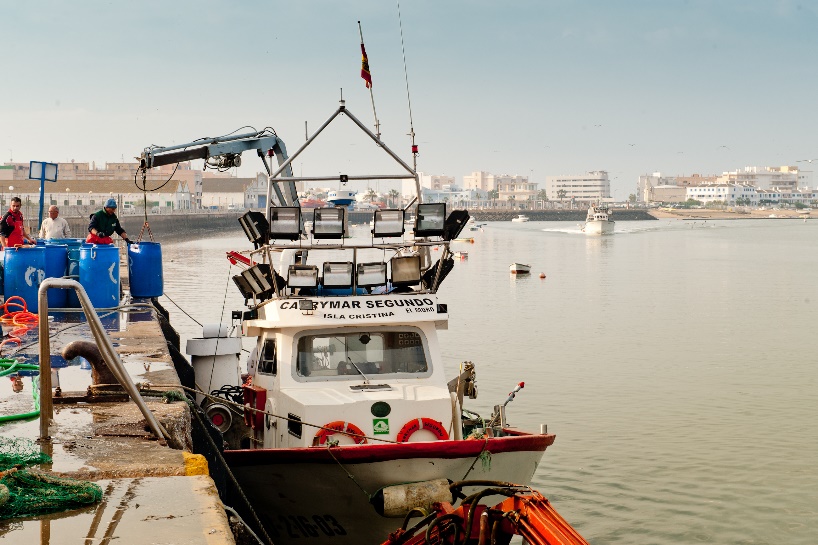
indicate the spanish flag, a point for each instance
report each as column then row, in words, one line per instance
column 365, row 67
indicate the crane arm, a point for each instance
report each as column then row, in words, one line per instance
column 225, row 152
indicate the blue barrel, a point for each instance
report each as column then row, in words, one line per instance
column 99, row 274
column 145, row 269
column 73, row 265
column 24, row 271
column 56, row 265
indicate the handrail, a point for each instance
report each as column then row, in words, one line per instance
column 105, row 347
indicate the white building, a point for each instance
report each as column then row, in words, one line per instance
column 592, row 186
column 729, row 194
column 785, row 177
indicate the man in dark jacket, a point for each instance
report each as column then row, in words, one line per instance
column 104, row 224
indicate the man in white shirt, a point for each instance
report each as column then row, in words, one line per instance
column 54, row 226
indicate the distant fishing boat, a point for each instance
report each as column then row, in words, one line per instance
column 519, row 268
column 598, row 221
column 520, row 218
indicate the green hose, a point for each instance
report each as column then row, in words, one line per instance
column 13, row 366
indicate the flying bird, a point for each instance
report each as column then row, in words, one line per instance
column 806, row 160
column 726, row 147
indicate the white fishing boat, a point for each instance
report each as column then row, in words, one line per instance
column 347, row 399
column 519, row 268
column 520, row 218
column 598, row 221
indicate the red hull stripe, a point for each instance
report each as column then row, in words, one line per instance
column 381, row 452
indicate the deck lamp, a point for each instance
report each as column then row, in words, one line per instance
column 244, row 286
column 406, row 270
column 260, row 280
column 431, row 220
column 302, row 276
column 285, row 222
column 371, row 274
column 328, row 223
column 388, row 223
column 337, row 274
column 255, row 226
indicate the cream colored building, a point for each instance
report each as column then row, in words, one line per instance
column 591, row 186
column 784, row 177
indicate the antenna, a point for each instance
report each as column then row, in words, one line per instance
column 408, row 99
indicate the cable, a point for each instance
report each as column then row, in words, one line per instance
column 183, row 310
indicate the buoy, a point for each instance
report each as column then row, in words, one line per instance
column 339, row 426
column 423, row 423
column 542, row 275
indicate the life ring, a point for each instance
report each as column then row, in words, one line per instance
column 339, row 426
column 424, row 423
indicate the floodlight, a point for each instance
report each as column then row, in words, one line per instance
column 388, row 223
column 302, row 276
column 255, row 226
column 328, row 223
column 371, row 274
column 244, row 286
column 455, row 223
column 337, row 274
column 285, row 222
column 431, row 219
column 259, row 280
column 406, row 270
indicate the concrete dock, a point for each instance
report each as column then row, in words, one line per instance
column 152, row 493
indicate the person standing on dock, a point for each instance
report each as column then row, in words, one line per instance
column 12, row 229
column 104, row 223
column 54, row 226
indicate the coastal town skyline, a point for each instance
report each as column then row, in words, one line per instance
column 532, row 89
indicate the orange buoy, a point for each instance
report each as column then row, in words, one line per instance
column 339, row 426
column 422, row 424
column 542, row 275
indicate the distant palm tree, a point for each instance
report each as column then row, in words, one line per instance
column 394, row 198
column 370, row 195
column 561, row 194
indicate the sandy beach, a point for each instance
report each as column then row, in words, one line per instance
column 707, row 214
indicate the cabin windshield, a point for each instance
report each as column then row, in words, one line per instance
column 366, row 353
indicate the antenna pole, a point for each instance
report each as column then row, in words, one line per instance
column 408, row 99
column 371, row 94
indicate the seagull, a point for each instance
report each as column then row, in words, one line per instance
column 631, row 145
column 806, row 160
column 726, row 147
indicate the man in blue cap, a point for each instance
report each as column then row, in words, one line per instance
column 104, row 224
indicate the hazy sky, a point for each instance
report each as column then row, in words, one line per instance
column 529, row 87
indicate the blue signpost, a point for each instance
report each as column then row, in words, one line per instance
column 45, row 172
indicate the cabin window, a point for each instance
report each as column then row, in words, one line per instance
column 358, row 353
column 267, row 360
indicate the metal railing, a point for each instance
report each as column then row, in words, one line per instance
column 106, row 348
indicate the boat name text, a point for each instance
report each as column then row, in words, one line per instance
column 380, row 303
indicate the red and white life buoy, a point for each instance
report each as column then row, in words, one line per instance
column 424, row 423
column 339, row 426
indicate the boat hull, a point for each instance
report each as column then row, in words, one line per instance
column 599, row 227
column 519, row 268
column 322, row 495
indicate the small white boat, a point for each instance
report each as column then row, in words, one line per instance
column 460, row 255
column 598, row 221
column 520, row 218
column 519, row 268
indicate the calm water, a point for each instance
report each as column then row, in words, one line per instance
column 675, row 361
